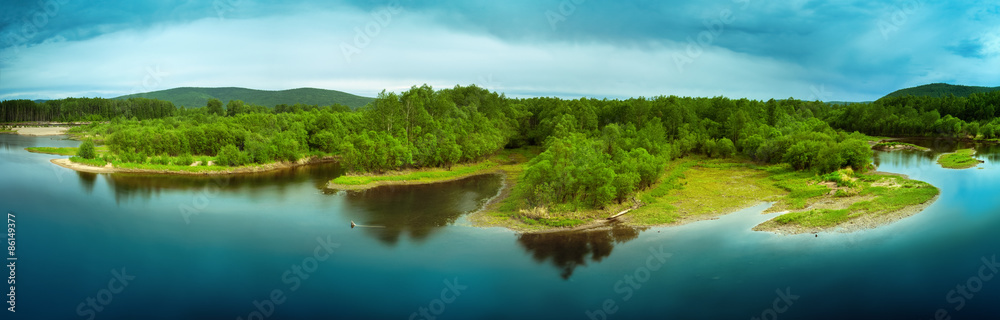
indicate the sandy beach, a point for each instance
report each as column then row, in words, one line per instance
column 41, row 131
column 66, row 163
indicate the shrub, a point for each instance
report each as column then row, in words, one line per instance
column 184, row 160
column 230, row 156
column 87, row 150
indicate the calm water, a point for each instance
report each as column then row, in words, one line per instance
column 203, row 248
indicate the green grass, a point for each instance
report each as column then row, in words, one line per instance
column 961, row 159
column 431, row 175
column 425, row 175
column 800, row 185
column 64, row 151
column 89, row 162
column 177, row 168
column 814, row 218
column 698, row 188
column 555, row 222
column 879, row 195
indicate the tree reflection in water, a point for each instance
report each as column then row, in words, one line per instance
column 569, row 249
column 418, row 210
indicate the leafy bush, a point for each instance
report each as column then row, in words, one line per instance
column 87, row 150
column 231, row 156
column 184, row 160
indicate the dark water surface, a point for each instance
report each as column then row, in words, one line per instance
column 276, row 246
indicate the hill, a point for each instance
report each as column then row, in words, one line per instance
column 940, row 90
column 198, row 97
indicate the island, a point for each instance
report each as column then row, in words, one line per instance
column 961, row 159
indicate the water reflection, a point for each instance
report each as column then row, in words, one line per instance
column 145, row 186
column 87, row 180
column 418, row 210
column 570, row 249
column 937, row 146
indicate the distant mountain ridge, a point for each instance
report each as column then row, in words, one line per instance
column 198, row 97
column 940, row 90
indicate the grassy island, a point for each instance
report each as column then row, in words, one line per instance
column 700, row 188
column 961, row 159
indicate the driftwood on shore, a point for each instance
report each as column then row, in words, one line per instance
column 620, row 214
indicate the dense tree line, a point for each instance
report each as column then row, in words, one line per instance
column 84, row 109
column 973, row 116
column 595, row 152
column 602, row 151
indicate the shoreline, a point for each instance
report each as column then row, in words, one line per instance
column 40, row 131
column 486, row 217
column 866, row 220
column 66, row 163
column 382, row 183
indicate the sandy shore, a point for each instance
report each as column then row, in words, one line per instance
column 41, row 131
column 65, row 163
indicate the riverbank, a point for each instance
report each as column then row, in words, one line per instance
column 188, row 170
column 696, row 189
column 40, row 131
column 504, row 162
column 889, row 145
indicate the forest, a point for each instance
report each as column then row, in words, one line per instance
column 593, row 152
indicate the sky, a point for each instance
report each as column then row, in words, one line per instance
column 812, row 50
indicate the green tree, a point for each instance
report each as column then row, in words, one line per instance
column 230, row 156
column 725, row 148
column 86, row 150
column 214, row 106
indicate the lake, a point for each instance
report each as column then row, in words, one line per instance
column 278, row 246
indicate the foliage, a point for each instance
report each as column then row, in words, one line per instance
column 86, row 150
column 595, row 152
column 230, row 156
column 89, row 162
column 84, row 109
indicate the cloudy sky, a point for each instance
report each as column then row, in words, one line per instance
column 826, row 50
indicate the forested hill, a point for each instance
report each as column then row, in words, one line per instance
column 937, row 90
column 198, row 97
